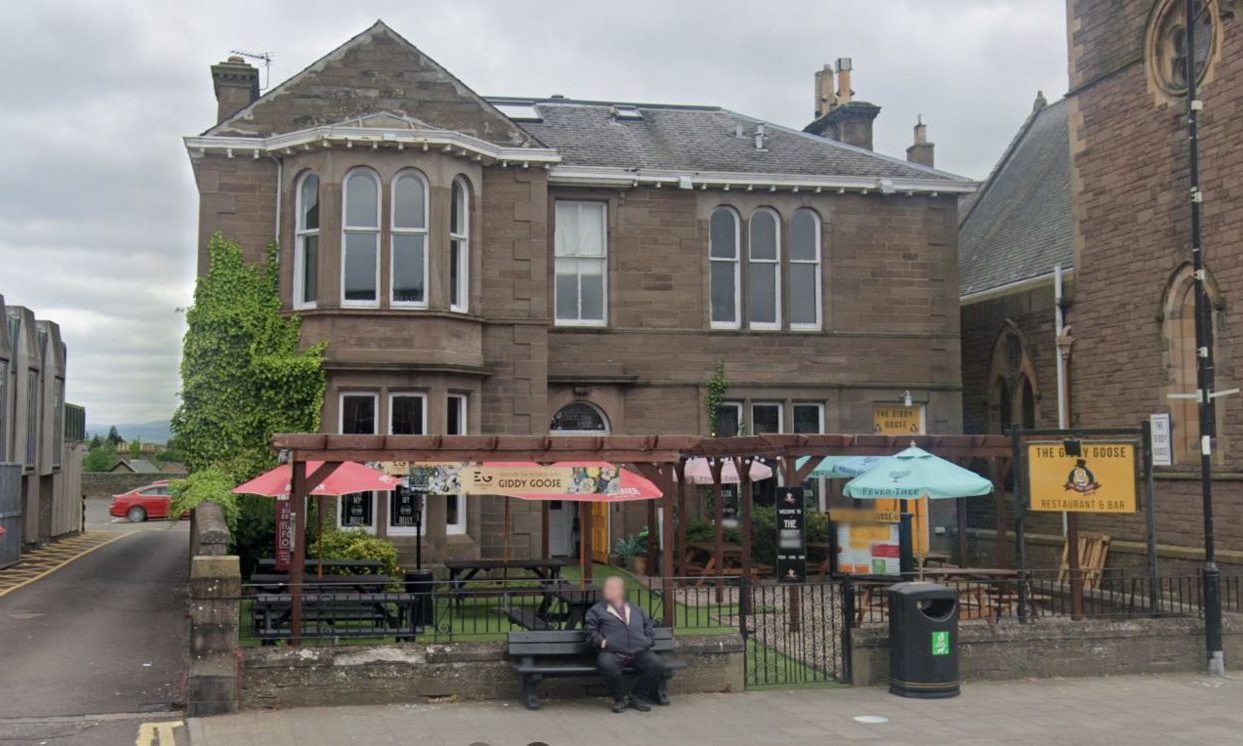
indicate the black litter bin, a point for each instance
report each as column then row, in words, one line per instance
column 420, row 582
column 923, row 640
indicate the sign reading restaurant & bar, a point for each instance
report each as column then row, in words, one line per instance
column 1101, row 479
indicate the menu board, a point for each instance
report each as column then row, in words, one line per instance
column 791, row 536
column 868, row 548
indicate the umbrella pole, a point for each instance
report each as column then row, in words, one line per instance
column 505, row 542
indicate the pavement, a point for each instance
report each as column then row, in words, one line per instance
column 1113, row 710
column 92, row 650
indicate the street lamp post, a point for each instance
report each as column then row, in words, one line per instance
column 1204, row 358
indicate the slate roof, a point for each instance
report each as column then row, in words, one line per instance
column 1018, row 225
column 699, row 138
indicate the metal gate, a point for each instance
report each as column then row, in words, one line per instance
column 795, row 635
column 10, row 513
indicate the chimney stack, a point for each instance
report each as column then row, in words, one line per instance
column 826, row 98
column 844, row 94
column 237, row 85
column 921, row 151
column 838, row 115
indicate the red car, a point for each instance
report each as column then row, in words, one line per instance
column 141, row 503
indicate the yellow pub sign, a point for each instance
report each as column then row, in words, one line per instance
column 896, row 419
column 1101, row 479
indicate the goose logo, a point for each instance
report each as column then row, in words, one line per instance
column 1081, row 479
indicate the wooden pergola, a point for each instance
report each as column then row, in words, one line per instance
column 660, row 458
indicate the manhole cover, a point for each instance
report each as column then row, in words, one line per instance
column 871, row 719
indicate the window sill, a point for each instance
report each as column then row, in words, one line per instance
column 559, row 323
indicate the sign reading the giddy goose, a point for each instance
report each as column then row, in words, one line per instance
column 897, row 419
column 1101, row 479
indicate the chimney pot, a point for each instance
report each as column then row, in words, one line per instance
column 921, row 151
column 826, row 97
column 844, row 92
column 237, row 85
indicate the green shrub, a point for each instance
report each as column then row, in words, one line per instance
column 212, row 484
column 357, row 544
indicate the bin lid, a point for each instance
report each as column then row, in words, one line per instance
column 922, row 588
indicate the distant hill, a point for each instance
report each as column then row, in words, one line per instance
column 156, row 431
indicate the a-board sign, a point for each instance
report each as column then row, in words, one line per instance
column 406, row 506
column 1101, row 479
column 791, row 536
column 898, row 419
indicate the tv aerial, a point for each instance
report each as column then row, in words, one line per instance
column 265, row 58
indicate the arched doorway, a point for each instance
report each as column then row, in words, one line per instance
column 578, row 418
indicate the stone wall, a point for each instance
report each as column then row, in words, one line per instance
column 107, row 484
column 405, row 674
column 214, row 613
column 1059, row 647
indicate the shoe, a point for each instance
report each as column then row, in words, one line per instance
column 640, row 705
column 619, row 705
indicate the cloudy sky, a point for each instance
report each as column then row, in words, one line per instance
column 98, row 204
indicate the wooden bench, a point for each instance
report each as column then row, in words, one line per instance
column 338, row 615
column 566, row 653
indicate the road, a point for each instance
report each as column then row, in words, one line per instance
column 98, row 646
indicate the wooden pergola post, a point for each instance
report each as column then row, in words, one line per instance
column 743, row 465
column 666, row 557
column 297, row 566
column 543, row 529
column 584, row 543
column 653, row 535
column 999, row 489
column 680, row 547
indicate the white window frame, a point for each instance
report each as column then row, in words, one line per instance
column 346, row 230
column 395, row 231
column 579, row 205
column 776, row 264
column 736, row 323
column 816, row 265
column 375, row 404
column 781, row 415
column 459, row 244
column 462, row 402
column 301, row 234
column 394, row 395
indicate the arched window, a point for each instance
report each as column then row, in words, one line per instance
column 306, row 243
column 360, row 240
column 1179, row 329
column 459, row 247
column 805, row 299
column 409, row 241
column 579, row 417
column 764, row 270
column 1012, row 397
column 723, row 271
column 1027, row 403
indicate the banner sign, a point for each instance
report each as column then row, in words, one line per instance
column 435, row 478
column 1162, row 446
column 868, row 548
column 791, row 536
column 1101, row 479
column 284, row 533
column 541, row 480
column 897, row 419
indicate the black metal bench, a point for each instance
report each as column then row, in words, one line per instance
column 565, row 653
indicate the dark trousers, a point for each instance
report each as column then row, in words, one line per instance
column 647, row 664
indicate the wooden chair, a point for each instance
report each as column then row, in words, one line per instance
column 1093, row 551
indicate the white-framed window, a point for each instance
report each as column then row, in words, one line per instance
column 806, row 298
column 729, row 419
column 767, row 417
column 724, row 276
column 306, row 243
column 408, row 241
column 581, row 238
column 764, row 270
column 360, row 240
column 459, row 246
column 407, row 413
column 358, row 411
column 458, row 408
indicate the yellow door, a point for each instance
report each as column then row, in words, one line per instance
column 600, row 532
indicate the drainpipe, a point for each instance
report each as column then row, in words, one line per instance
column 1058, row 329
column 280, row 179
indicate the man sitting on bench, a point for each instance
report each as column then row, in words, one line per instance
column 622, row 632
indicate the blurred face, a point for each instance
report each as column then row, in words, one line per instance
column 614, row 591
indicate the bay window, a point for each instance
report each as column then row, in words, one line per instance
column 360, row 240
column 580, row 238
column 724, row 276
column 306, row 243
column 409, row 241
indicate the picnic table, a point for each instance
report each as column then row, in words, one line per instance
column 461, row 571
column 563, row 606
column 356, row 566
column 279, row 583
column 952, row 572
column 701, row 560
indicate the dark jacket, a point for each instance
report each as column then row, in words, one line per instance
column 627, row 640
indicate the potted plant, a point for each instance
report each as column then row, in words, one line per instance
column 628, row 551
column 639, row 562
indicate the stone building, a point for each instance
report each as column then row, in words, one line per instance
column 38, row 429
column 535, row 265
column 1132, row 346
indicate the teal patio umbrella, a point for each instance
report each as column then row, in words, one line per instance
column 840, row 467
column 915, row 473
